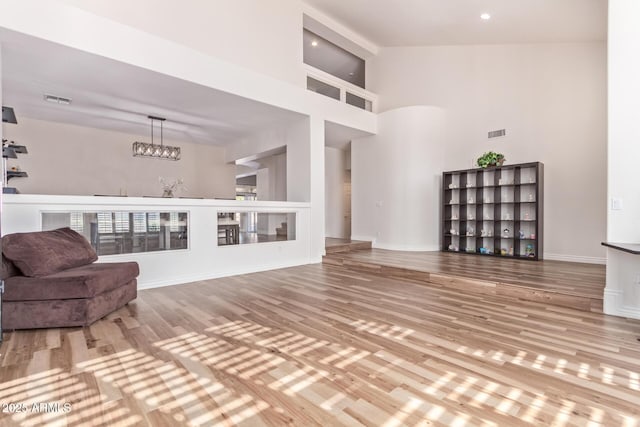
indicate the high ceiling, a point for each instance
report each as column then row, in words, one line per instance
column 452, row 22
column 111, row 95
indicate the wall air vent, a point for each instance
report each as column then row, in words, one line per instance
column 497, row 133
column 57, row 99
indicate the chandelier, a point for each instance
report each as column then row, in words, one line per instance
column 144, row 149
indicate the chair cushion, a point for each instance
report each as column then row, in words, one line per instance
column 8, row 269
column 43, row 253
column 86, row 281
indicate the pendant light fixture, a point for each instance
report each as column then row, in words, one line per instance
column 144, row 149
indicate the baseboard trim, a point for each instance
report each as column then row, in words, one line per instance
column 576, row 258
column 182, row 280
column 614, row 305
column 363, row 238
column 408, row 248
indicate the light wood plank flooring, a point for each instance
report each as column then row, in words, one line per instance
column 322, row 346
column 335, row 245
column 569, row 284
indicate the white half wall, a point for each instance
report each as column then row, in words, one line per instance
column 622, row 292
column 335, row 202
column 76, row 160
column 203, row 260
column 550, row 98
column 396, row 178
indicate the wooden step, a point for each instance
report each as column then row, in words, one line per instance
column 482, row 286
column 354, row 245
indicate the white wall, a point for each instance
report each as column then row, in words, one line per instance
column 295, row 137
column 335, row 203
column 263, row 36
column 396, row 179
column 271, row 184
column 275, row 187
column 68, row 159
column 622, row 293
column 551, row 98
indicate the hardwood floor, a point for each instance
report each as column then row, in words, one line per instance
column 568, row 284
column 323, row 345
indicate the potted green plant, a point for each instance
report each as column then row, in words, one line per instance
column 491, row 159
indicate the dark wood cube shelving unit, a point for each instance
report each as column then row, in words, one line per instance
column 497, row 211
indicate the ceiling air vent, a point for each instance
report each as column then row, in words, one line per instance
column 497, row 133
column 57, row 99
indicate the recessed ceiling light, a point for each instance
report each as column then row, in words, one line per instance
column 485, row 16
column 314, row 43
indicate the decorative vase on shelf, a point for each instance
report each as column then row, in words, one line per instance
column 169, row 188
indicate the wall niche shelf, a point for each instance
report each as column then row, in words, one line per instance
column 494, row 211
column 10, row 151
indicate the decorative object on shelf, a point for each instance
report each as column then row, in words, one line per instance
column 453, row 248
column 468, row 249
column 471, row 217
column 530, row 197
column 451, row 202
column 527, row 216
column 505, row 232
column 491, row 159
column 453, row 232
column 470, row 231
column 533, row 236
column 144, row 149
column 511, row 251
column 503, row 251
column 529, row 251
column 169, row 188
column 455, row 216
column 10, row 150
column 490, row 233
column 521, row 234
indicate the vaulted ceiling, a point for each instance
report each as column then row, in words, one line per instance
column 451, row 22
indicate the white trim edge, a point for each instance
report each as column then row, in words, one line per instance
column 576, row 258
column 421, row 248
column 183, row 280
column 614, row 305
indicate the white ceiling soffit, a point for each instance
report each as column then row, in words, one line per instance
column 340, row 136
column 442, row 22
column 327, row 28
column 112, row 95
column 253, row 160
